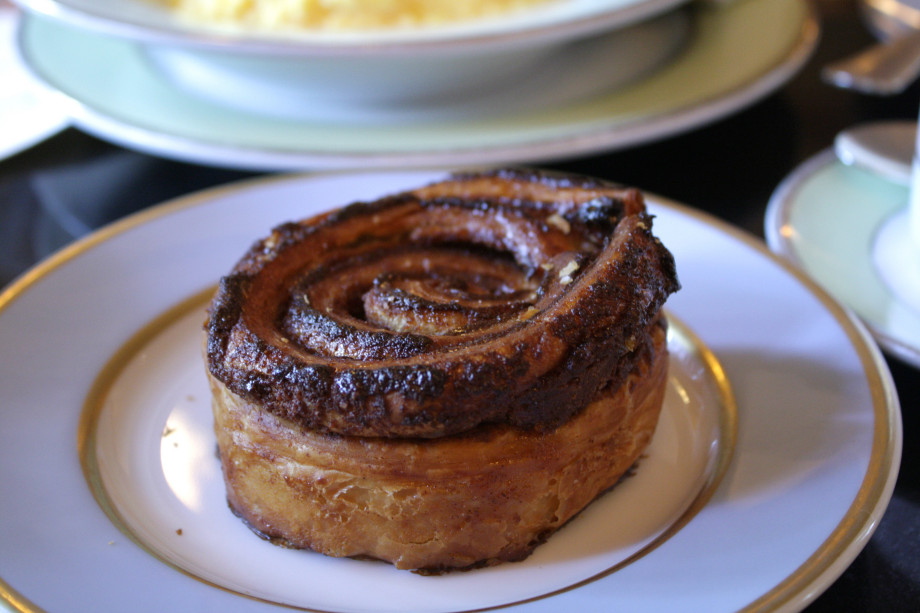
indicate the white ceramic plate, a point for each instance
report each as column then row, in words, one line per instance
column 29, row 111
column 149, row 453
column 737, row 53
column 827, row 218
column 97, row 346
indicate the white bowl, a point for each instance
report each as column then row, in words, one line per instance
column 424, row 86
column 150, row 21
column 292, row 74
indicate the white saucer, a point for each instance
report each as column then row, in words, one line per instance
column 737, row 53
column 828, row 218
column 29, row 111
column 104, row 436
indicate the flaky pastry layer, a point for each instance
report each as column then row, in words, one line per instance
column 479, row 498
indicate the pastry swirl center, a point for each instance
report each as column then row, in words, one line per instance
column 485, row 298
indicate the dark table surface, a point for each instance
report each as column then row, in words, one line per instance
column 728, row 168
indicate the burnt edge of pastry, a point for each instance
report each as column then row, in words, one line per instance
column 408, row 384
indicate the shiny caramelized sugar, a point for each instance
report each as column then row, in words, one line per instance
column 441, row 378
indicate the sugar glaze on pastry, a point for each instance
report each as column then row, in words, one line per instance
column 441, row 378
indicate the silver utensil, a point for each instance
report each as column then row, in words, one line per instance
column 890, row 66
column 884, row 69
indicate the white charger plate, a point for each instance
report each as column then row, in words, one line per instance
column 737, row 53
column 815, row 458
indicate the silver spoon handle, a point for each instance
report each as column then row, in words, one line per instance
column 884, row 69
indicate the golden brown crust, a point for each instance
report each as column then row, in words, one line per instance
column 479, row 498
column 509, row 297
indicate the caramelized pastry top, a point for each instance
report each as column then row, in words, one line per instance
column 503, row 297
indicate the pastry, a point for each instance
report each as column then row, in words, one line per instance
column 443, row 377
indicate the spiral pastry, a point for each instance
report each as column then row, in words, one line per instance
column 443, row 377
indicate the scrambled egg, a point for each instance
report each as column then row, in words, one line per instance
column 343, row 14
